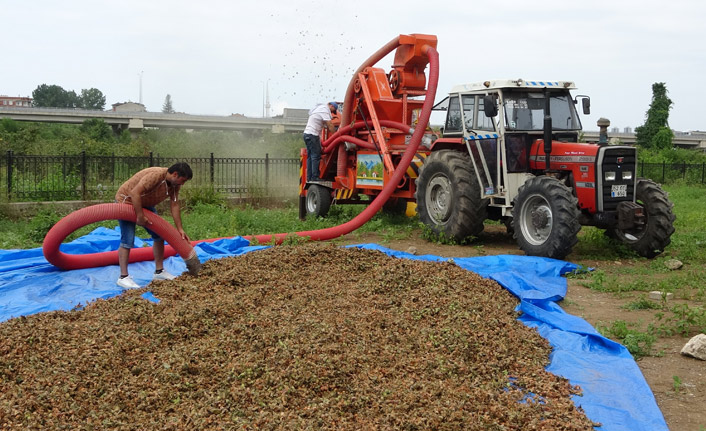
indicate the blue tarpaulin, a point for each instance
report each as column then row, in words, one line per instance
column 615, row 393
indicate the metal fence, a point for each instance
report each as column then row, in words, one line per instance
column 690, row 173
column 82, row 177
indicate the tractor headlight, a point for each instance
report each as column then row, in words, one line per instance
column 627, row 175
column 610, row 176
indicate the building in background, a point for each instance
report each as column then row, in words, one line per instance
column 129, row 107
column 19, row 102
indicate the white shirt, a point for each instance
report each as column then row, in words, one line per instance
column 317, row 115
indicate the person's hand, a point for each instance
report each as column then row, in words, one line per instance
column 142, row 220
column 184, row 235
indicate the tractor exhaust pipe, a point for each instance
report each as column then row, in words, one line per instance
column 547, row 130
column 603, row 124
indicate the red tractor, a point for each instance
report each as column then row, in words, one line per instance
column 510, row 151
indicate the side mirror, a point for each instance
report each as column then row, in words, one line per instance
column 489, row 107
column 586, row 105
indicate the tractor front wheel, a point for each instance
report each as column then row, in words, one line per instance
column 318, row 200
column 545, row 218
column 650, row 239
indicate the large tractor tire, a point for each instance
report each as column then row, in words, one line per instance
column 448, row 196
column 318, row 200
column 545, row 218
column 652, row 238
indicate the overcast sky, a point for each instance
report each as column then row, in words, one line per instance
column 218, row 57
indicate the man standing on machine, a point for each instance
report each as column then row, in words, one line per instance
column 319, row 116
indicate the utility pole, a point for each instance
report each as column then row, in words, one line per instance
column 267, row 100
column 141, row 72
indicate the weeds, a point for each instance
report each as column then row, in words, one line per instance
column 41, row 223
column 441, row 238
column 643, row 303
column 638, row 343
column 682, row 320
column 596, row 281
column 676, row 383
column 203, row 195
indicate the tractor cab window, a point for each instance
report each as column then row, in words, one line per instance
column 453, row 116
column 483, row 122
column 469, row 104
column 525, row 111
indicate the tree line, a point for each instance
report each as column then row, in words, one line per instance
column 55, row 96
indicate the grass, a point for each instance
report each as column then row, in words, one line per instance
column 206, row 215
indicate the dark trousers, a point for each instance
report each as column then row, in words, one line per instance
column 313, row 156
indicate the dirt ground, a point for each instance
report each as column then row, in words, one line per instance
column 682, row 409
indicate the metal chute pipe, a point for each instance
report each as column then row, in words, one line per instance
column 101, row 212
column 379, row 201
column 371, row 61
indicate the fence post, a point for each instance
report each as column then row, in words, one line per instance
column 9, row 175
column 703, row 171
column 151, row 161
column 83, row 175
column 684, row 173
column 213, row 171
column 267, row 172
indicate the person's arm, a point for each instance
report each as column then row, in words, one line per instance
column 136, row 198
column 176, row 215
column 329, row 126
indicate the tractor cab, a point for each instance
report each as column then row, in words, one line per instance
column 500, row 120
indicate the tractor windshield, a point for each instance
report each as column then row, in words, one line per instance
column 525, row 111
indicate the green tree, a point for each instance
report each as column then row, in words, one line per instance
column 655, row 133
column 97, row 128
column 92, row 98
column 54, row 96
column 167, row 107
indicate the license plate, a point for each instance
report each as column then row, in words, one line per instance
column 619, row 191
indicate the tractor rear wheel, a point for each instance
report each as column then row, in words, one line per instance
column 318, row 200
column 448, row 196
column 545, row 218
column 650, row 239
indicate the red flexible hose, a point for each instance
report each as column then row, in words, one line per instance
column 101, row 212
column 96, row 213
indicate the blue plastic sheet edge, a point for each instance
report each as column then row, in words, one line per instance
column 615, row 393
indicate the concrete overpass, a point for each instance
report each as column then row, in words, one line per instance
column 136, row 121
column 696, row 140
